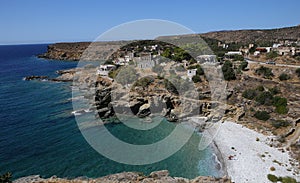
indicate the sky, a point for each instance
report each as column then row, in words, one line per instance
column 48, row 21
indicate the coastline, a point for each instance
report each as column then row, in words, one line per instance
column 220, row 159
column 248, row 157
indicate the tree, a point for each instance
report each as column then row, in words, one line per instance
column 262, row 115
column 284, row 77
column 265, row 71
column 238, row 57
column 196, row 79
column 228, row 71
column 264, row 98
column 249, row 94
column 243, row 65
column 272, row 55
column 280, row 104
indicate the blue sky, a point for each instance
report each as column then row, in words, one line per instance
column 37, row 21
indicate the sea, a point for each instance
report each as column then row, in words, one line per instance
column 39, row 134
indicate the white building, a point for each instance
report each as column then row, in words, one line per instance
column 103, row 70
column 256, row 53
column 206, row 58
column 191, row 73
column 233, row 53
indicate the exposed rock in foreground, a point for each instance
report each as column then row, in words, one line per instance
column 126, row 177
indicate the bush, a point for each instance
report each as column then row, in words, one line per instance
column 170, row 87
column 249, row 94
column 228, row 71
column 260, row 88
column 288, row 180
column 265, row 71
column 298, row 72
column 272, row 55
column 284, row 77
column 243, row 65
column 238, row 57
column 262, row 115
column 274, row 91
column 264, row 98
column 280, row 123
column 113, row 73
column 280, row 104
column 196, row 79
column 279, row 101
column 272, row 178
column 282, row 110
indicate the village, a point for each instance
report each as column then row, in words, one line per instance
column 148, row 56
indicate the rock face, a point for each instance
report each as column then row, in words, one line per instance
column 127, row 177
column 76, row 51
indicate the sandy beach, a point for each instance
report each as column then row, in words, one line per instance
column 248, row 157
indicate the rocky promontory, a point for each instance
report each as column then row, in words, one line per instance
column 76, row 51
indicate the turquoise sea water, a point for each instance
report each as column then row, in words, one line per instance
column 39, row 134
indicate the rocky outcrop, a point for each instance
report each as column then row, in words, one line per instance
column 29, row 78
column 127, row 177
column 77, row 51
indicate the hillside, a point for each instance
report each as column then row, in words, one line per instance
column 256, row 36
column 102, row 50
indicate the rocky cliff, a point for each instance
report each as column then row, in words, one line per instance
column 77, row 51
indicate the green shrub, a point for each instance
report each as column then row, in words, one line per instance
column 196, row 79
column 279, row 101
column 284, row 77
column 272, row 55
column 280, row 104
column 238, row 57
column 274, row 91
column 262, row 115
column 265, row 71
column 280, row 123
column 170, row 87
column 260, row 88
column 272, row 178
column 113, row 73
column 228, row 71
column 282, row 110
column 249, row 94
column 288, row 180
column 264, row 98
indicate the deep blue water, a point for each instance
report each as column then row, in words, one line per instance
column 39, row 135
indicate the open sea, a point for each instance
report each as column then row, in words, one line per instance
column 39, row 134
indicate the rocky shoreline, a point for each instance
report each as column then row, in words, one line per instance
column 126, row 177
